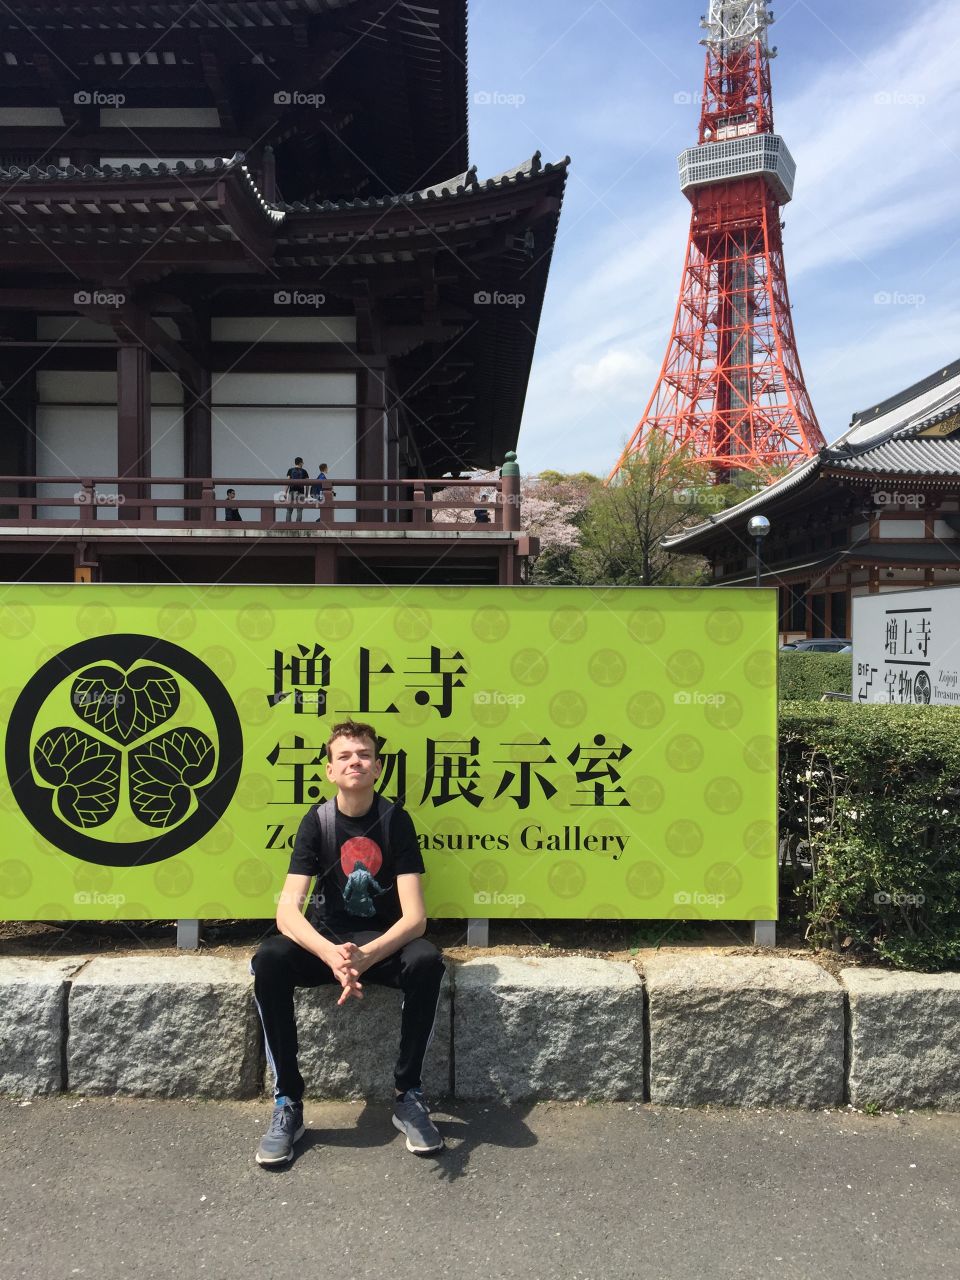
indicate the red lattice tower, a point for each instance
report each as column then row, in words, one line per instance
column 731, row 388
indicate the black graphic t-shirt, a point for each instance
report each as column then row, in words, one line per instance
column 358, row 874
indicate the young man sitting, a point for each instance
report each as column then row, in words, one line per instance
column 365, row 923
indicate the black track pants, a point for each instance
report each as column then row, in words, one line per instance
column 281, row 965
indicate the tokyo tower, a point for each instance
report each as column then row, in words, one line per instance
column 731, row 389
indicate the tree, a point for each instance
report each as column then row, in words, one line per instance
column 552, row 508
column 657, row 493
column 466, row 498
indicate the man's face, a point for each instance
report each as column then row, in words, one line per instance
column 352, row 764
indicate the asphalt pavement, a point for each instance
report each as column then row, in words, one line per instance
column 124, row 1187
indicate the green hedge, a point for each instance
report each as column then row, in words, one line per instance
column 870, row 810
column 805, row 676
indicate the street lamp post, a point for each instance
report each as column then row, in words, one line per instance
column 758, row 528
column 764, row 931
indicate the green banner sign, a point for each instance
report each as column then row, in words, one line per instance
column 564, row 752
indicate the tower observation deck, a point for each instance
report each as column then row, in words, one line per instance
column 731, row 391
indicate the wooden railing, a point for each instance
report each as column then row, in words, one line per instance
column 201, row 502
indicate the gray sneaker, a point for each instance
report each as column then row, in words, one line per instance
column 412, row 1117
column 286, row 1126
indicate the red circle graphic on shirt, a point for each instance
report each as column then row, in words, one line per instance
column 360, row 849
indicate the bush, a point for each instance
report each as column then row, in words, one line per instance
column 805, row 676
column 869, row 799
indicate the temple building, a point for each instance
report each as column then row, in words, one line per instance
column 878, row 510
column 236, row 234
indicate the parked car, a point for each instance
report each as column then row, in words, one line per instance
column 823, row 646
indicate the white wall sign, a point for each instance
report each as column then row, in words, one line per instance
column 906, row 647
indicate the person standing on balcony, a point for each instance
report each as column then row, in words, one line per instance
column 321, row 491
column 231, row 511
column 296, row 492
column 366, row 917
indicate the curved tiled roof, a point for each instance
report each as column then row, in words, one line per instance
column 903, row 411
column 124, row 172
column 15, row 179
column 906, row 449
column 464, row 184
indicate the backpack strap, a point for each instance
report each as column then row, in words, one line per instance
column 327, row 821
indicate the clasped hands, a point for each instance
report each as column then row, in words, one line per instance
column 347, row 963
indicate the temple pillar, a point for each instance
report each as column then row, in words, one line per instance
column 18, row 436
column 371, row 437
column 198, row 443
column 133, row 426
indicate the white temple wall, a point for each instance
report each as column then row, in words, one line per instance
column 262, row 421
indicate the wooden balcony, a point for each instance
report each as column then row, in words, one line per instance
column 31, row 503
column 175, row 528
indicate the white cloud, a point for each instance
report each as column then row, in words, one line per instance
column 614, row 369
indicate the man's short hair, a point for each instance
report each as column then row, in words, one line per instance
column 231, row 493
column 298, row 461
column 353, row 729
column 323, row 466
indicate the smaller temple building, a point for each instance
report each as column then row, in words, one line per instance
column 878, row 510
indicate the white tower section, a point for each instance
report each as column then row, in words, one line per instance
column 731, row 24
column 763, row 154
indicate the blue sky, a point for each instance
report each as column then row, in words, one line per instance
column 867, row 96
